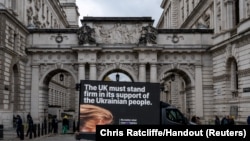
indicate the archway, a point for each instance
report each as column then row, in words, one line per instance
column 176, row 90
column 58, row 95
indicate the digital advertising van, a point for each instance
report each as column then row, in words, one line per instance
column 117, row 103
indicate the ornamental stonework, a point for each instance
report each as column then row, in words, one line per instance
column 117, row 33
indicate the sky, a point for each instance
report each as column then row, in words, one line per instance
column 120, row 8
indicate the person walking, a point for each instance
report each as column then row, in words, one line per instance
column 30, row 126
column 19, row 124
column 54, row 124
column 224, row 120
column 248, row 120
column 217, row 120
column 65, row 124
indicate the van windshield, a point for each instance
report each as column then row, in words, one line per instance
column 174, row 115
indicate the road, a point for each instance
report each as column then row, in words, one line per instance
column 58, row 137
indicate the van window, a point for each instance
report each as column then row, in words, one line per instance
column 174, row 115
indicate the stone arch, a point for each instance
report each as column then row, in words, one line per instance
column 44, row 88
column 49, row 73
column 231, row 76
column 123, row 69
column 188, row 76
column 183, row 94
column 14, row 87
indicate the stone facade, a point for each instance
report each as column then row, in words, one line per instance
column 228, row 91
column 198, row 53
column 16, row 72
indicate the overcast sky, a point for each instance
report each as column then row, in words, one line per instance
column 120, row 8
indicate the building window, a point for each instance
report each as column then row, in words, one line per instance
column 236, row 12
column 234, row 77
column 13, row 5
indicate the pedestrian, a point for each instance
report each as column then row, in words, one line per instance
column 65, row 124
column 231, row 120
column 248, row 120
column 194, row 119
column 54, row 124
column 30, row 125
column 19, row 124
column 217, row 120
column 224, row 120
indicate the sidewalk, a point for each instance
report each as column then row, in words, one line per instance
column 10, row 135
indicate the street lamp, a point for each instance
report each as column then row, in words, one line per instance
column 61, row 76
column 117, row 77
column 172, row 77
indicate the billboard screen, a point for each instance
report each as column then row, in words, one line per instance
column 118, row 103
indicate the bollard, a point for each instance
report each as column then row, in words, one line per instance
column 38, row 129
column 30, row 133
column 34, row 130
column 42, row 129
column 1, row 132
column 45, row 126
column 74, row 127
column 22, row 133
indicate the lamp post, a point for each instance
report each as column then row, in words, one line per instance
column 45, row 122
column 61, row 77
column 172, row 77
column 117, row 77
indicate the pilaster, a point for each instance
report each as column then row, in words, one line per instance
column 142, row 73
column 198, row 91
column 92, row 72
column 35, row 93
column 153, row 73
column 81, row 72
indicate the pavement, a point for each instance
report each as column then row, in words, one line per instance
column 10, row 135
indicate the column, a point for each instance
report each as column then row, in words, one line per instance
column 230, row 14
column 92, row 72
column 34, row 111
column 81, row 72
column 153, row 73
column 142, row 73
column 216, row 28
column 198, row 91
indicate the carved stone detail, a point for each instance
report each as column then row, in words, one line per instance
column 148, row 35
column 133, row 67
column 117, row 33
column 175, row 38
column 85, row 35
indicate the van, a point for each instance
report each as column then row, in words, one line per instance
column 171, row 115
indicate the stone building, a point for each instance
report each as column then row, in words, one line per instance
column 199, row 52
column 226, row 60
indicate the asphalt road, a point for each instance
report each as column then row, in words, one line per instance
column 51, row 137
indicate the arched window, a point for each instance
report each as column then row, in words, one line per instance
column 14, row 5
column 234, row 77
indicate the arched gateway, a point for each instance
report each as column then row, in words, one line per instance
column 105, row 45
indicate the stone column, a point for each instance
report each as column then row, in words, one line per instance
column 243, row 9
column 216, row 28
column 230, row 13
column 142, row 73
column 34, row 111
column 153, row 73
column 92, row 72
column 198, row 91
column 81, row 72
